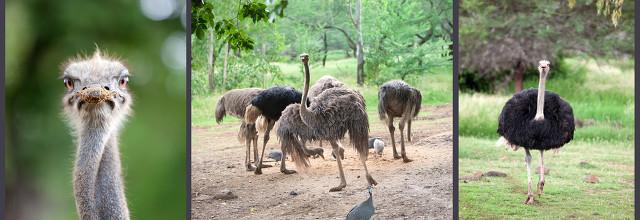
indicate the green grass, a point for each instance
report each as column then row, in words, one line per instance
column 436, row 88
column 601, row 94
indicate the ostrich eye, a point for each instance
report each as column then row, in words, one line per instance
column 123, row 82
column 68, row 83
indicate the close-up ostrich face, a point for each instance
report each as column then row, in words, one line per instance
column 544, row 66
column 96, row 88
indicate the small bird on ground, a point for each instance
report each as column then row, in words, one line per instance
column 376, row 144
column 364, row 210
column 275, row 155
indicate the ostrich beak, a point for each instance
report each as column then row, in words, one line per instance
column 95, row 94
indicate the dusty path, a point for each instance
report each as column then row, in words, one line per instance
column 421, row 189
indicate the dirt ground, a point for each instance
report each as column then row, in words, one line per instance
column 421, row 189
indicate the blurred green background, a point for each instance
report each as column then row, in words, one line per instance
column 150, row 36
column 590, row 46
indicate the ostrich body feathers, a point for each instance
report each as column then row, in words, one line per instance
column 517, row 126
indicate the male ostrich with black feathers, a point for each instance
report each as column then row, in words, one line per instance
column 536, row 120
column 235, row 102
column 329, row 116
column 269, row 104
column 398, row 99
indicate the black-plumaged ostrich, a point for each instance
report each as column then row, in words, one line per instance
column 235, row 102
column 397, row 99
column 332, row 113
column 536, row 120
column 269, row 104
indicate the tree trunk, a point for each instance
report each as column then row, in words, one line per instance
column 357, row 22
column 211, row 59
column 326, row 48
column 519, row 76
column 226, row 67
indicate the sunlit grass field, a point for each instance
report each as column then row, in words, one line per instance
column 601, row 94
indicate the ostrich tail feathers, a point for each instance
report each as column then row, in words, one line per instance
column 242, row 133
column 220, row 110
column 291, row 146
column 503, row 142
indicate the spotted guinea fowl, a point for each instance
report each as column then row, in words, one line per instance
column 364, row 210
column 275, row 155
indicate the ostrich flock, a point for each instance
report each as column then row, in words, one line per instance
column 325, row 111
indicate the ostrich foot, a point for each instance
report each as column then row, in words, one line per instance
column 396, row 156
column 258, row 171
column 540, row 187
column 405, row 159
column 371, row 181
column 529, row 200
column 250, row 167
column 285, row 171
column 337, row 188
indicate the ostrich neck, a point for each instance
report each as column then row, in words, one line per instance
column 305, row 113
column 97, row 182
column 540, row 104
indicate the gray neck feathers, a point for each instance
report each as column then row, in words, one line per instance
column 97, row 180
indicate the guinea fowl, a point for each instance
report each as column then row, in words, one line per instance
column 364, row 210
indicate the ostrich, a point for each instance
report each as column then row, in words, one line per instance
column 398, row 99
column 96, row 103
column 550, row 126
column 334, row 112
column 324, row 83
column 269, row 104
column 235, row 102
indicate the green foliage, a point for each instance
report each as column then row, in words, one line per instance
column 243, row 72
column 436, row 88
column 203, row 18
column 498, row 36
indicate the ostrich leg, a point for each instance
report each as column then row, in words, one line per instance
column 370, row 179
column 264, row 144
column 343, row 181
column 409, row 129
column 393, row 141
column 255, row 146
column 403, row 121
column 248, row 137
column 283, row 168
column 541, row 181
column 527, row 159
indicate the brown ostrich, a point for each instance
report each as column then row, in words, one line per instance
column 333, row 112
column 235, row 102
column 398, row 99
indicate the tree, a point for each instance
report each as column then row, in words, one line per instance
column 501, row 40
column 359, row 44
column 226, row 28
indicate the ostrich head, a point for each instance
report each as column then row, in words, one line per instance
column 96, row 91
column 543, row 67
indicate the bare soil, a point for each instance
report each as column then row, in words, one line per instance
column 421, row 189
